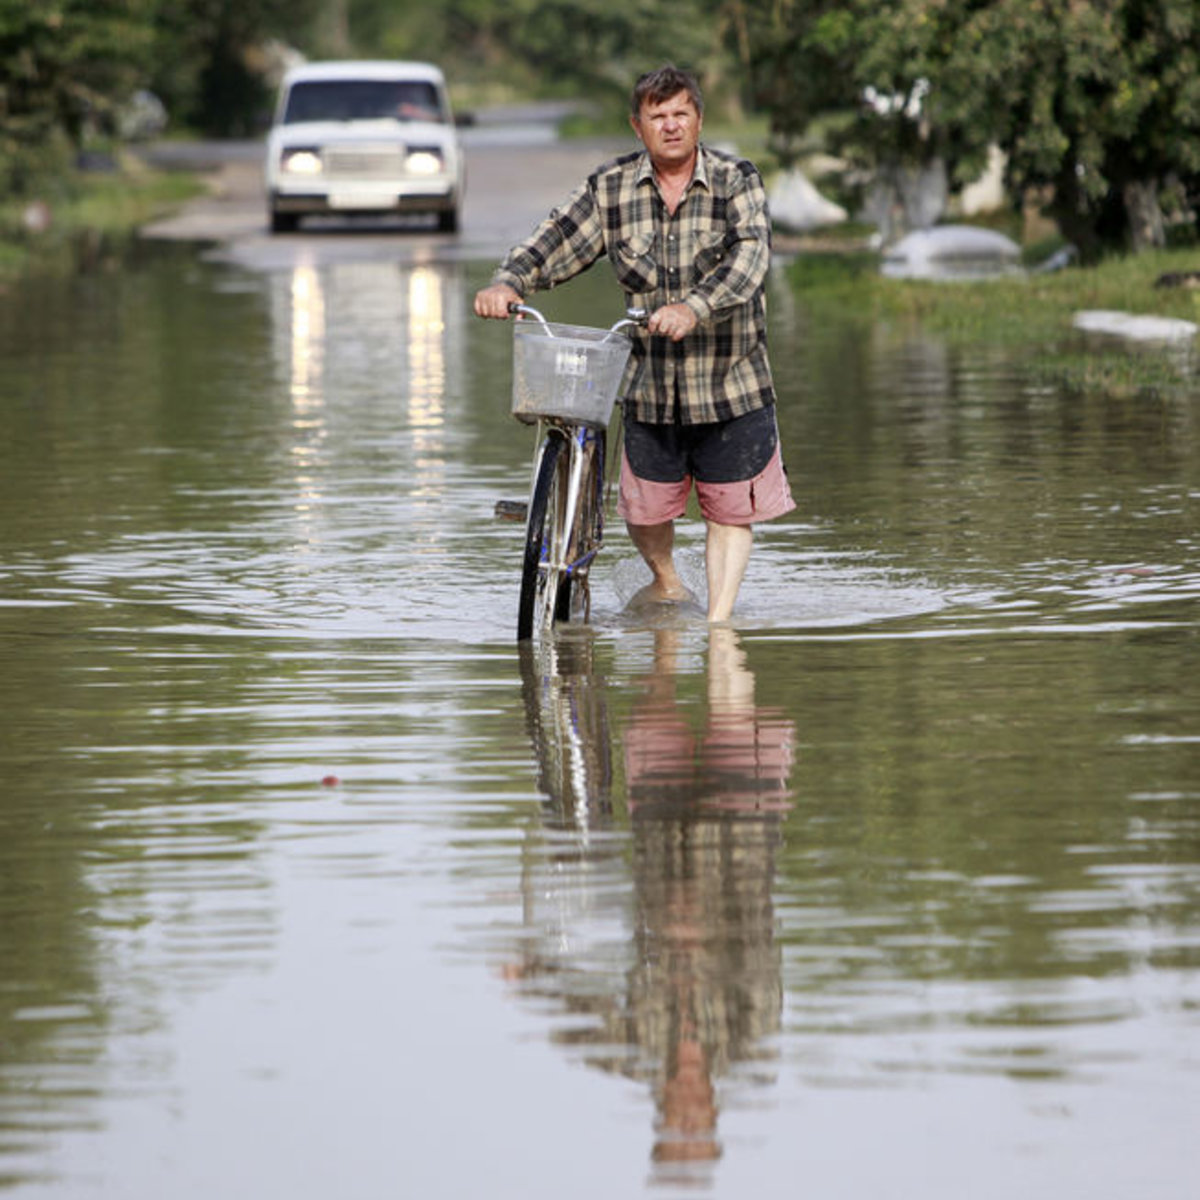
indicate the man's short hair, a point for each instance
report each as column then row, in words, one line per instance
column 663, row 83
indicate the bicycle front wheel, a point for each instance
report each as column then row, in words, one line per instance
column 545, row 584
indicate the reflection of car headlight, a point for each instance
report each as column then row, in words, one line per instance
column 300, row 162
column 423, row 162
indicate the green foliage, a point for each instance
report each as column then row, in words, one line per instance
column 64, row 65
column 1096, row 103
column 595, row 48
column 91, row 214
column 209, row 66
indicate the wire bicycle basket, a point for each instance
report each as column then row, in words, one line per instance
column 571, row 372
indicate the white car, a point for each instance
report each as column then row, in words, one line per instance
column 363, row 137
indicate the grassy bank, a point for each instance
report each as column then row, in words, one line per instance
column 1031, row 314
column 86, row 215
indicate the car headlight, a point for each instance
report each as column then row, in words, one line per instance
column 423, row 162
column 300, row 162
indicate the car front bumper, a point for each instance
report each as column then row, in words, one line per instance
column 373, row 199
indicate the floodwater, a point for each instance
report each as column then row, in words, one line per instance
column 312, row 884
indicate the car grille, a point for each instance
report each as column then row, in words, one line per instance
column 364, row 162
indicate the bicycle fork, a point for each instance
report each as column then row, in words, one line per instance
column 570, row 553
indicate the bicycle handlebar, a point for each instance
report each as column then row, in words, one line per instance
column 633, row 316
column 514, row 308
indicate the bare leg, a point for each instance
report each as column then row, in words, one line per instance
column 656, row 545
column 727, row 551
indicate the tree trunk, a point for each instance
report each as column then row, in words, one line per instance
column 333, row 29
column 1075, row 222
column 1147, row 230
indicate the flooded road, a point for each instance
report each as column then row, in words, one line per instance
column 311, row 883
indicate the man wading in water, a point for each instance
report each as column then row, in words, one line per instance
column 687, row 233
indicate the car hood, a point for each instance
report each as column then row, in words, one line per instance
column 329, row 133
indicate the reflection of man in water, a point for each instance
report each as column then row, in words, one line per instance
column 739, row 762
column 707, row 788
column 706, row 801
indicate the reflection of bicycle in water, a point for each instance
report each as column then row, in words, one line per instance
column 565, row 378
column 573, row 870
column 567, row 719
column 657, row 938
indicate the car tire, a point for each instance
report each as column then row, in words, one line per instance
column 448, row 221
column 283, row 222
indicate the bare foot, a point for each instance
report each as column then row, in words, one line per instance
column 664, row 593
column 655, row 593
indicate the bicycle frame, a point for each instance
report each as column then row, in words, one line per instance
column 565, row 516
column 582, row 442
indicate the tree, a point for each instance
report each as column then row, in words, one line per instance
column 206, row 57
column 64, row 67
column 67, row 66
column 1096, row 103
column 1100, row 108
column 596, row 48
column 799, row 56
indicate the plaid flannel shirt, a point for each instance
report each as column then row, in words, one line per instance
column 711, row 255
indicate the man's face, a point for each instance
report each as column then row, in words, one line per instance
column 669, row 129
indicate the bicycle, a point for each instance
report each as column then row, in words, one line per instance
column 565, row 378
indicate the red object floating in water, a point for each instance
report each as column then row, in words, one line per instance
column 331, row 781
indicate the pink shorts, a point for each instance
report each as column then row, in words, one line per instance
column 767, row 495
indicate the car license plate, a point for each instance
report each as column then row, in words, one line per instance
column 363, row 200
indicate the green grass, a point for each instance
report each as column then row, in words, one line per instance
column 1031, row 314
column 122, row 202
column 92, row 207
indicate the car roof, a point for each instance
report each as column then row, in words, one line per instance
column 364, row 69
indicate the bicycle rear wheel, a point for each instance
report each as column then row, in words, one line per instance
column 545, row 587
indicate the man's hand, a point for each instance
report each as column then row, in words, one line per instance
column 493, row 301
column 674, row 321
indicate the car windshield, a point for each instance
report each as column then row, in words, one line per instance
column 362, row 100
